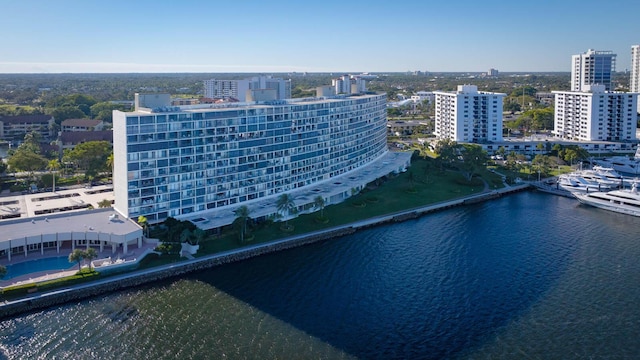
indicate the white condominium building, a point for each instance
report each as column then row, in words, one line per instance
column 238, row 89
column 173, row 161
column 592, row 68
column 634, row 81
column 469, row 115
column 349, row 84
column 595, row 114
column 422, row 96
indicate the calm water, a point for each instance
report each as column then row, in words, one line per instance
column 527, row 276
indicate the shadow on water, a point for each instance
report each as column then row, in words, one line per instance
column 428, row 288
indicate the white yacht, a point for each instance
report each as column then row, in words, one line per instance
column 626, row 201
column 623, row 164
column 575, row 183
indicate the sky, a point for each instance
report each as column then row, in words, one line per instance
column 278, row 36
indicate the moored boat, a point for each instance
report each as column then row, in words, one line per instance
column 625, row 201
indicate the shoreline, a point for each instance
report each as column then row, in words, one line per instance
column 44, row 300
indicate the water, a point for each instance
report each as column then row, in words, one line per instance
column 525, row 276
column 33, row 266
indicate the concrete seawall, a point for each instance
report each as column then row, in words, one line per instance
column 140, row 277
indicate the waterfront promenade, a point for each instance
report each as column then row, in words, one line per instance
column 140, row 277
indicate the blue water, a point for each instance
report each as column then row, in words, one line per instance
column 529, row 276
column 32, row 266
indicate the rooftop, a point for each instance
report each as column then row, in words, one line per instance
column 99, row 220
column 47, row 203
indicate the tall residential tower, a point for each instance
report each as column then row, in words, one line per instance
column 592, row 68
column 469, row 115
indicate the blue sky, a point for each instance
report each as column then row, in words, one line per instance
column 41, row 36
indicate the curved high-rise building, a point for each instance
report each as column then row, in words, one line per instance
column 184, row 161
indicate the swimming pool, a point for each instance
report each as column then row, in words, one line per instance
column 32, row 266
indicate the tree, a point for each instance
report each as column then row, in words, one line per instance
column 31, row 142
column 67, row 112
column 242, row 215
column 110, row 162
column 200, row 235
column 319, row 203
column 90, row 254
column 53, row 166
column 104, row 110
column 91, row 156
column 185, row 235
column 76, row 255
column 142, row 221
column 542, row 164
column 104, row 203
column 474, row 159
column 28, row 161
column 286, row 206
column 3, row 271
column 447, row 151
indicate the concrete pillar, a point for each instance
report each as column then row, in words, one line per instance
column 41, row 245
column 9, row 251
column 113, row 248
column 57, row 244
column 125, row 248
column 25, row 246
column 140, row 242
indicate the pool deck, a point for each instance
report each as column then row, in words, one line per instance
column 131, row 257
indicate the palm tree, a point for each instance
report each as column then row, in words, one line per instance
column 242, row 215
column 110, row 163
column 286, row 206
column 319, row 203
column 90, row 254
column 76, row 256
column 53, row 165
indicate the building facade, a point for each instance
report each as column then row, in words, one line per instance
column 468, row 115
column 595, row 115
column 634, row 81
column 592, row 68
column 422, row 96
column 199, row 159
column 16, row 127
column 237, row 89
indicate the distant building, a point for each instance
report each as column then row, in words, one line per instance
column 422, row 96
column 16, row 127
column 349, row 84
column 81, row 125
column 468, row 115
column 634, row 81
column 238, row 89
column 595, row 114
column 492, row 72
column 69, row 139
column 592, row 68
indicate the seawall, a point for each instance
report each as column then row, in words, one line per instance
column 136, row 278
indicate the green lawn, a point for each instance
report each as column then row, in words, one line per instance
column 393, row 194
